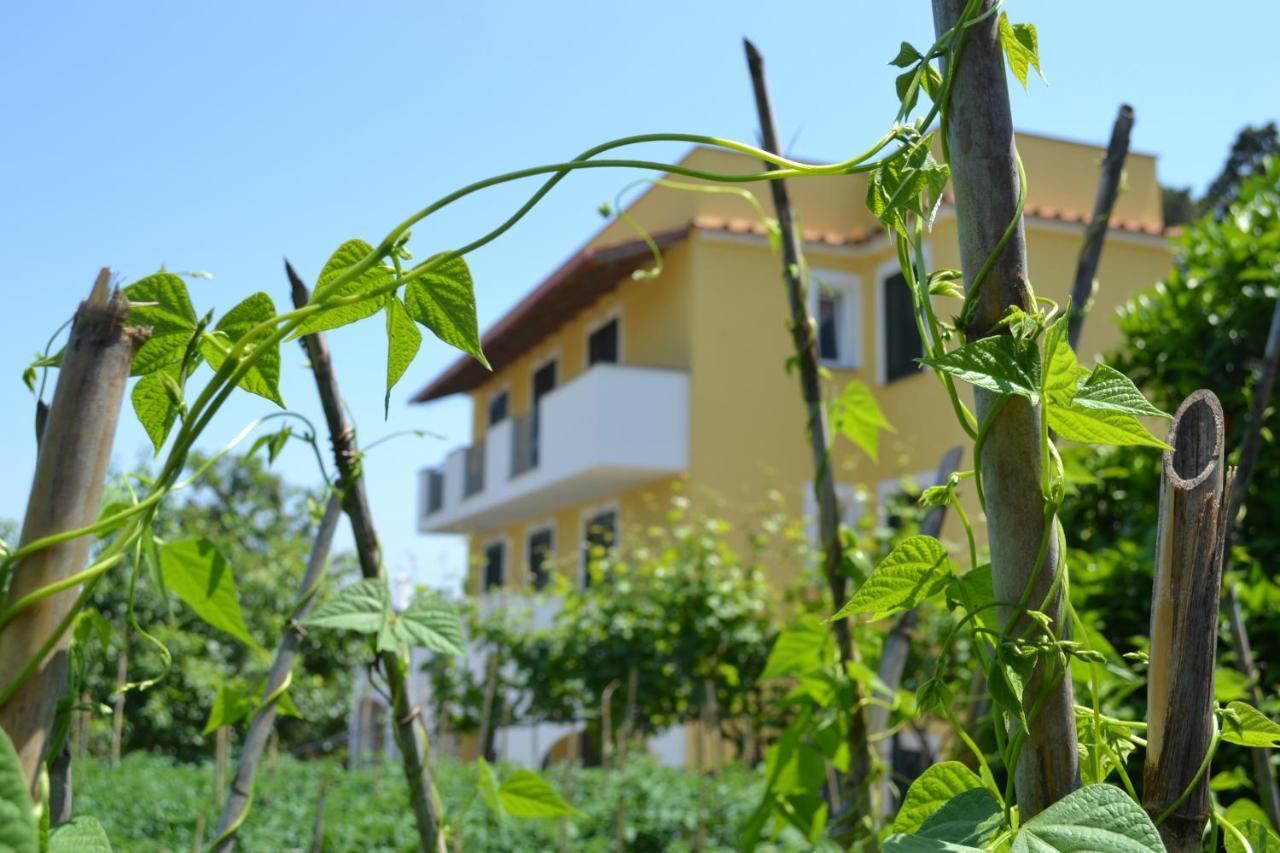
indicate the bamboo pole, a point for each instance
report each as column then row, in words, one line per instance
column 263, row 723
column 1264, row 773
column 66, row 492
column 985, row 174
column 1184, row 623
column 1096, row 232
column 355, row 503
column 857, row 799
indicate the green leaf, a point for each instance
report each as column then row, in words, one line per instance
column 1063, row 373
column 1109, row 390
column 526, row 794
column 347, row 256
column 263, row 378
column 229, row 707
column 907, row 56
column 1092, row 426
column 898, row 843
column 487, row 784
column 898, row 185
column 1096, row 817
column 170, row 310
column 915, row 569
column 431, row 621
column 931, row 791
column 1022, row 47
column 363, row 606
column 403, row 340
column 1229, row 684
column 971, row 817
column 1259, row 836
column 444, row 301
column 998, row 363
column 195, row 571
column 1245, row 725
column 154, row 404
column 856, row 415
column 80, row 835
column 800, row 649
column 161, row 350
column 17, row 813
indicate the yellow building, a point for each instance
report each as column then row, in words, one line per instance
column 609, row 389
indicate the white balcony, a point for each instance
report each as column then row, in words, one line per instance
column 609, row 429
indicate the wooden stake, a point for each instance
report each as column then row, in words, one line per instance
column 1264, row 772
column 985, row 175
column 1184, row 622
column 262, row 726
column 66, row 492
column 1096, row 233
column 355, row 503
column 858, row 778
column 117, row 706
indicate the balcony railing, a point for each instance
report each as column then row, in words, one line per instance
column 524, row 444
column 608, row 429
column 474, row 471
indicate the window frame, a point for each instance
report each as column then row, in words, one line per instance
column 530, row 531
column 584, row 517
column 883, row 272
column 849, row 332
column 613, row 315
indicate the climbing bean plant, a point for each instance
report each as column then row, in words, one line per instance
column 950, row 807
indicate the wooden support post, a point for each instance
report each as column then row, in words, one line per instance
column 71, row 469
column 1264, row 772
column 262, row 725
column 985, row 175
column 355, row 503
column 1095, row 234
column 1184, row 622
column 854, row 821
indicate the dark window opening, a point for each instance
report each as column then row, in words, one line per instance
column 902, row 344
column 494, row 571
column 602, row 344
column 544, row 382
column 498, row 408
column 601, row 535
column 828, row 326
column 540, row 545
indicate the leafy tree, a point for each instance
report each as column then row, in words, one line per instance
column 1248, row 157
column 263, row 527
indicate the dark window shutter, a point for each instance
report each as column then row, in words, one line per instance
column 902, row 337
column 828, row 334
column 494, row 571
column 602, row 344
column 539, row 553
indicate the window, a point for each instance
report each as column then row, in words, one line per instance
column 494, row 570
column 835, row 298
column 541, row 547
column 600, row 533
column 498, row 408
column 901, row 336
column 602, row 344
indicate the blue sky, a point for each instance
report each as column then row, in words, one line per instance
column 226, row 136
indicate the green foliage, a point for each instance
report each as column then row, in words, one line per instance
column 444, row 301
column 1244, row 725
column 263, row 528
column 329, row 286
column 195, row 572
column 148, row 803
column 1261, row 839
column 363, row 607
column 263, row 377
column 935, row 787
column 403, row 341
column 856, row 415
column 17, row 814
column 431, row 622
column 1000, row 364
column 1095, row 817
column 80, row 835
column 1021, row 47
column 914, row 570
column 527, row 794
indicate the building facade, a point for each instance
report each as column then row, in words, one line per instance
column 612, row 385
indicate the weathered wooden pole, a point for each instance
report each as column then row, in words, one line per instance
column 1264, row 772
column 984, row 171
column 1095, row 234
column 1184, row 622
column 66, row 492
column 857, row 780
column 355, row 503
column 264, row 718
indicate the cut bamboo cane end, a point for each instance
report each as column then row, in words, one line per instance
column 1196, row 437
